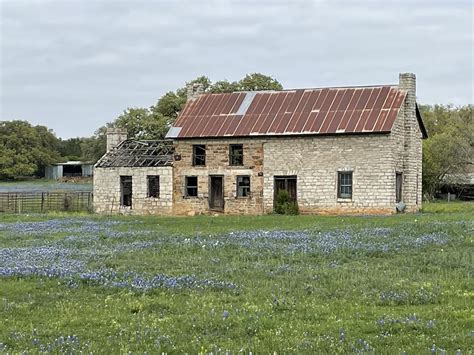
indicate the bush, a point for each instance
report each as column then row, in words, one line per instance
column 284, row 205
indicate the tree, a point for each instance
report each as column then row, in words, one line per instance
column 154, row 122
column 93, row 148
column 224, row 86
column 70, row 148
column 26, row 150
column 258, row 82
column 449, row 149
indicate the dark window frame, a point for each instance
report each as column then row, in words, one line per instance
column 345, row 182
column 187, row 187
column 153, row 186
column 243, row 191
column 199, row 157
column 236, row 159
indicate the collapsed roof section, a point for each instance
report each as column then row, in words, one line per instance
column 143, row 153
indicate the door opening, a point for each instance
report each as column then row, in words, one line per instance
column 286, row 183
column 216, row 193
column 126, row 191
column 398, row 183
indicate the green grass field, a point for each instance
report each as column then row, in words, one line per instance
column 285, row 284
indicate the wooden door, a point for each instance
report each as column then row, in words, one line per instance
column 216, row 193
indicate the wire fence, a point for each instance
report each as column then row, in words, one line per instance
column 38, row 202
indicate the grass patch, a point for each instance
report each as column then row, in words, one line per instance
column 290, row 284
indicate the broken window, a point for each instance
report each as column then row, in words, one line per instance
column 153, row 186
column 126, row 191
column 287, row 183
column 191, row 188
column 199, row 155
column 236, row 154
column 344, row 189
column 243, row 186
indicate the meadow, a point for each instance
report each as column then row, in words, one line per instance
column 72, row 283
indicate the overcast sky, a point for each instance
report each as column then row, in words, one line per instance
column 75, row 65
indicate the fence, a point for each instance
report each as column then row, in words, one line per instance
column 37, row 202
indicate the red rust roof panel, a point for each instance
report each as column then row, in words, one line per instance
column 308, row 111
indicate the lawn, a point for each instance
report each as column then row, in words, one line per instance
column 299, row 284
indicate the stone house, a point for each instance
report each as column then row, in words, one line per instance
column 344, row 150
column 134, row 176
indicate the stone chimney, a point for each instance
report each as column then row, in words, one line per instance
column 407, row 81
column 412, row 169
column 194, row 90
column 115, row 136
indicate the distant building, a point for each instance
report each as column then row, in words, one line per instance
column 343, row 150
column 69, row 169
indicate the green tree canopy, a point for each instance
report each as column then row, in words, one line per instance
column 26, row 149
column 449, row 149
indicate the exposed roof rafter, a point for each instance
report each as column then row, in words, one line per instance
column 132, row 153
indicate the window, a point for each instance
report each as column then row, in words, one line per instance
column 243, row 186
column 344, row 185
column 126, row 191
column 236, row 154
column 191, row 189
column 199, row 155
column 153, row 186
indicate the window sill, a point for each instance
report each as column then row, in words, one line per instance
column 344, row 200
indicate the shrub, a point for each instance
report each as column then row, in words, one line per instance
column 284, row 205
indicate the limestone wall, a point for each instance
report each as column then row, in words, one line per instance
column 107, row 191
column 316, row 162
column 217, row 163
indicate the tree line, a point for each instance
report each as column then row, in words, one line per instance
column 26, row 149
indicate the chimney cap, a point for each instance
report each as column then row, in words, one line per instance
column 194, row 90
column 116, row 130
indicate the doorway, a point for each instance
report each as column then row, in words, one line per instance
column 126, row 191
column 398, row 183
column 286, row 183
column 216, row 193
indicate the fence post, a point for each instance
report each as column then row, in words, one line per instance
column 42, row 201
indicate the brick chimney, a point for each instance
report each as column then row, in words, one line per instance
column 115, row 136
column 194, row 90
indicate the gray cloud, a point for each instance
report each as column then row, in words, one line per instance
column 74, row 65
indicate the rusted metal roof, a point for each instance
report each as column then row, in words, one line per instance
column 291, row 112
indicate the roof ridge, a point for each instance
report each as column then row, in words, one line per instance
column 306, row 88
